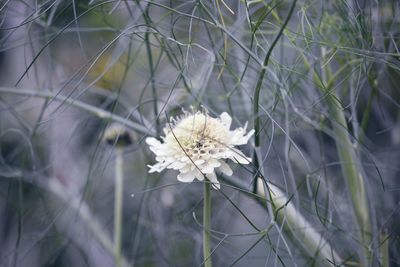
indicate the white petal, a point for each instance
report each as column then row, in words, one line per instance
column 213, row 163
column 207, row 169
column 199, row 162
column 186, row 177
column 213, row 179
column 151, row 141
column 160, row 159
column 185, row 159
column 176, row 165
column 199, row 175
column 226, row 119
column 238, row 156
column 157, row 149
column 160, row 150
column 238, row 136
column 223, row 153
column 249, row 134
column 185, row 168
column 158, row 167
column 225, row 169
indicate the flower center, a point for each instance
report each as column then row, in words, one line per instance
column 198, row 137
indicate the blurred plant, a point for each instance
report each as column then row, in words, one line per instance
column 116, row 135
column 317, row 79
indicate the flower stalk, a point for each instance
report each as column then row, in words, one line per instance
column 384, row 248
column 197, row 144
column 294, row 223
column 345, row 147
column 207, row 224
column 350, row 164
column 117, row 136
column 257, row 90
column 98, row 112
column 118, row 204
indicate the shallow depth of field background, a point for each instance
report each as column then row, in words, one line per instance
column 67, row 67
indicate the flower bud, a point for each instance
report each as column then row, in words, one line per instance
column 116, row 134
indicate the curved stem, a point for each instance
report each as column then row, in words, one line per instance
column 300, row 230
column 256, row 98
column 262, row 74
column 206, row 224
column 119, row 183
column 349, row 164
column 100, row 113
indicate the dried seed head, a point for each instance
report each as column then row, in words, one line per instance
column 116, row 134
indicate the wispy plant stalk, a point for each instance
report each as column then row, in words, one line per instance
column 207, row 224
column 349, row 162
column 75, row 202
column 346, row 151
column 257, row 91
column 300, row 229
column 260, row 79
column 98, row 112
column 292, row 220
column 152, row 80
column 118, row 204
column 384, row 248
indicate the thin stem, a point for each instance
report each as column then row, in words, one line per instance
column 384, row 248
column 261, row 77
column 350, row 164
column 206, row 224
column 257, row 91
column 100, row 113
column 297, row 227
column 366, row 117
column 152, row 80
column 20, row 221
column 148, row 21
column 119, row 183
column 346, row 151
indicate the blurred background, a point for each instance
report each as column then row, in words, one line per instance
column 68, row 69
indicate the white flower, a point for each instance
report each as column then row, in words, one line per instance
column 197, row 144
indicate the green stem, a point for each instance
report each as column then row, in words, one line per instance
column 365, row 119
column 261, row 77
column 119, row 183
column 152, row 81
column 384, row 240
column 297, row 227
column 257, row 91
column 206, row 224
column 350, row 166
column 346, row 151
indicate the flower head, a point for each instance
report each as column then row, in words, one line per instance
column 117, row 134
column 197, row 144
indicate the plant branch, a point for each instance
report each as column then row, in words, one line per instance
column 100, row 113
column 206, row 224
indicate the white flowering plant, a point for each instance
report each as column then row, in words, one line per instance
column 197, row 145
